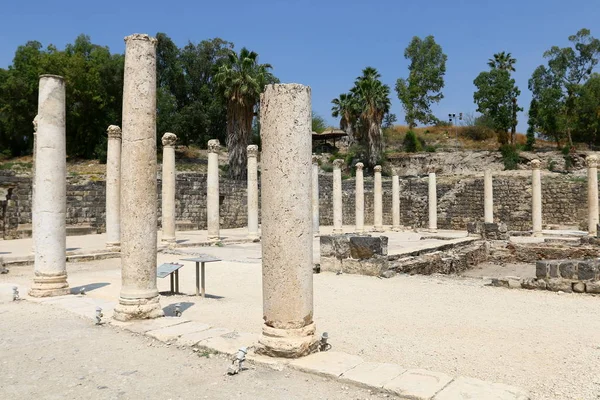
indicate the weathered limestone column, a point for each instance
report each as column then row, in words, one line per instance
column 315, row 194
column 395, row 202
column 285, row 116
column 432, row 201
column 168, row 188
column 337, row 196
column 35, row 127
column 50, row 194
column 592, row 165
column 360, row 199
column 488, row 197
column 212, row 190
column 139, row 297
column 378, row 201
column 113, row 187
column 536, row 190
column 252, row 192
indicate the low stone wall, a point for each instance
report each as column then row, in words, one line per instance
column 364, row 254
column 579, row 276
column 460, row 201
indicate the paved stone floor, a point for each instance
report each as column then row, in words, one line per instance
column 544, row 342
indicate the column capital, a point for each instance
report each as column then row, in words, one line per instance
column 114, row 132
column 337, row 163
column 315, row 159
column 377, row 168
column 214, row 146
column 591, row 161
column 141, row 36
column 360, row 166
column 252, row 150
column 431, row 169
column 169, row 139
column 35, row 124
column 535, row 164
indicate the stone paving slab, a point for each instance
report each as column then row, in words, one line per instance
column 330, row 363
column 229, row 343
column 152, row 324
column 463, row 388
column 175, row 331
column 419, row 384
column 373, row 374
column 191, row 339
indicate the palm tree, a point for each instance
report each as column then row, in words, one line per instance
column 373, row 101
column 344, row 107
column 503, row 60
column 241, row 79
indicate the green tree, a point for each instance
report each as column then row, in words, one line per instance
column 241, row 79
column 318, row 123
column 425, row 80
column 345, row 108
column 587, row 106
column 496, row 99
column 502, row 60
column 547, row 104
column 372, row 104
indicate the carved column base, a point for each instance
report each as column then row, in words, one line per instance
column 338, row 231
column 114, row 246
column 49, row 285
column 378, row 229
column 129, row 309
column 287, row 343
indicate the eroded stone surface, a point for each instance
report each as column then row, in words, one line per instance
column 168, row 188
column 331, row 363
column 418, row 384
column 469, row 388
column 373, row 374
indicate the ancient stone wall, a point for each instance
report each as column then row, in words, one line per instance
column 460, row 200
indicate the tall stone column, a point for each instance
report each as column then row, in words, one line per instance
column 35, row 127
column 139, row 298
column 432, row 201
column 168, row 188
column 315, row 194
column 377, row 201
column 337, row 196
column 488, row 197
column 395, row 202
column 50, row 193
column 592, row 165
column 536, row 204
column 113, row 187
column 252, row 192
column 287, row 251
column 360, row 199
column 212, row 190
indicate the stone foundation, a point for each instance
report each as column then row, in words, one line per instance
column 488, row 230
column 364, row 255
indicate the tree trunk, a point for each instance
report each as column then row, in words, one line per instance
column 239, row 127
column 374, row 147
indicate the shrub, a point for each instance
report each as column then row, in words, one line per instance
column 477, row 133
column 552, row 166
column 327, row 168
column 411, row 143
column 567, row 156
column 430, row 149
column 510, row 156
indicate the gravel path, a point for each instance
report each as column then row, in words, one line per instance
column 545, row 342
column 56, row 355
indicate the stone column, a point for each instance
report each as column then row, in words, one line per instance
column 315, row 194
column 50, row 194
column 287, row 251
column 395, row 202
column 337, row 196
column 35, row 127
column 139, row 298
column 488, row 197
column 360, row 199
column 378, row 201
column 212, row 190
column 536, row 190
column 592, row 165
column 113, row 188
column 252, row 192
column 168, row 188
column 432, row 201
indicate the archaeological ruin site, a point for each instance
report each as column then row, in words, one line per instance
column 435, row 275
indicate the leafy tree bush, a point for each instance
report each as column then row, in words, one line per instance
column 510, row 156
column 411, row 143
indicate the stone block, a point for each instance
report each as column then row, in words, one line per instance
column 363, row 247
column 153, row 324
column 330, row 363
column 542, row 269
column 568, row 269
column 469, row 388
column 578, row 287
column 330, row 264
column 229, row 343
column 587, row 270
column 370, row 267
column 175, row 331
column 191, row 339
column 418, row 384
column 592, row 287
column 373, row 374
column 533, row 283
column 556, row 285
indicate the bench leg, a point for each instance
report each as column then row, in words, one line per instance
column 172, row 283
column 197, row 279
column 203, row 292
column 177, row 281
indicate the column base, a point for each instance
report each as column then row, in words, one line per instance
column 213, row 238
column 115, row 246
column 129, row 309
column 254, row 237
column 378, row 229
column 288, row 343
column 169, row 242
column 396, row 228
column 432, row 230
column 337, row 231
column 537, row 234
column 49, row 285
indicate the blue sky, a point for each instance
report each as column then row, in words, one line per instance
column 324, row 44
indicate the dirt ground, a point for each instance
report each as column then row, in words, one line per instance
column 48, row 353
